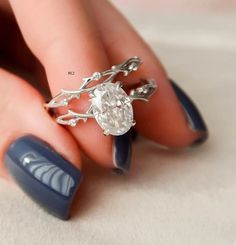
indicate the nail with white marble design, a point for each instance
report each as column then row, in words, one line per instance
column 43, row 174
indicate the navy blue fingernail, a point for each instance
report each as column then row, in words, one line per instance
column 122, row 150
column 43, row 174
column 195, row 120
column 133, row 133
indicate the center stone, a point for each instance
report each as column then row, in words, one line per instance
column 112, row 109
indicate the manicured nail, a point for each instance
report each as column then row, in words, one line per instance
column 43, row 174
column 122, row 150
column 133, row 133
column 195, row 120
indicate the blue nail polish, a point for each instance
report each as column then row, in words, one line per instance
column 122, row 150
column 134, row 134
column 193, row 115
column 43, row 174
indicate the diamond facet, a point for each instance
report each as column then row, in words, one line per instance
column 112, row 109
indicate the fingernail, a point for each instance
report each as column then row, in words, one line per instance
column 43, row 174
column 122, row 150
column 194, row 118
column 133, row 134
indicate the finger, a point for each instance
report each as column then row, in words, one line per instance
column 5, row 6
column 170, row 118
column 64, row 39
column 14, row 53
column 40, row 156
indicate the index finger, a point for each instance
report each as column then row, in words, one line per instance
column 63, row 38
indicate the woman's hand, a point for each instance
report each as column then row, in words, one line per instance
column 83, row 37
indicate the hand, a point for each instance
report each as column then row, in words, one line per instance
column 81, row 36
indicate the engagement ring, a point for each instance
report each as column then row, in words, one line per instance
column 110, row 105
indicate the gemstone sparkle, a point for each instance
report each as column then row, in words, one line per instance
column 112, row 109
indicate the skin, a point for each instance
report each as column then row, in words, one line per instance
column 76, row 35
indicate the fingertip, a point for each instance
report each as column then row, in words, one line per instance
column 43, row 174
column 41, row 156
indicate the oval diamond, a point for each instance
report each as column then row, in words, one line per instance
column 112, row 109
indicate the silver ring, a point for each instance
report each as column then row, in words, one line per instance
column 110, row 104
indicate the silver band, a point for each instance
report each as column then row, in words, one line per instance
column 110, row 105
